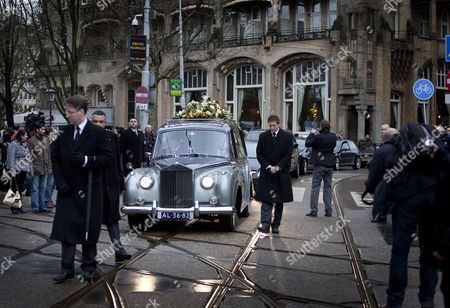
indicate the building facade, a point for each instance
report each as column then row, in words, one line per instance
column 350, row 61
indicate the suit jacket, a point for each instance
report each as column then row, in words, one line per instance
column 131, row 148
column 70, row 222
column 114, row 183
column 275, row 152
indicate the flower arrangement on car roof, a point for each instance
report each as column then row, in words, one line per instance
column 206, row 108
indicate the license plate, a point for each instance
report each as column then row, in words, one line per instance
column 175, row 215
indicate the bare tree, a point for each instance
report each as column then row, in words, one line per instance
column 15, row 66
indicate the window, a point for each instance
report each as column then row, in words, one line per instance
column 228, row 33
column 395, row 110
column 249, row 75
column 352, row 21
column 285, row 20
column 443, row 69
column 195, row 86
column 300, row 17
column 425, row 23
column 444, row 24
column 256, row 13
column 426, row 73
column 332, row 12
column 369, row 75
column 100, row 98
column 394, row 23
column 315, row 16
column 64, row 4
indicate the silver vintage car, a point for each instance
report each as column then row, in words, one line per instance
column 198, row 170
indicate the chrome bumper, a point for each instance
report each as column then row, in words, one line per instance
column 151, row 208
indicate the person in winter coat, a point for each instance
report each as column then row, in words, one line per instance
column 132, row 146
column 274, row 152
column 113, row 185
column 18, row 163
column 322, row 153
column 81, row 152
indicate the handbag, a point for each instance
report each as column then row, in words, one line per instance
column 13, row 199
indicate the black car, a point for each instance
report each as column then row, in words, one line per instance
column 251, row 141
column 346, row 152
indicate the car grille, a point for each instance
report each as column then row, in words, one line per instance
column 176, row 187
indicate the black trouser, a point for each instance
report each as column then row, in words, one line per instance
column 266, row 214
column 114, row 234
column 19, row 181
column 445, row 284
column 89, row 251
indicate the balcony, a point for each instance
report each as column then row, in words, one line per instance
column 294, row 35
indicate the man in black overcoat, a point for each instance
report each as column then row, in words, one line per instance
column 132, row 146
column 81, row 148
column 274, row 152
column 113, row 185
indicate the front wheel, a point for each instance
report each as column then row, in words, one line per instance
column 338, row 164
column 228, row 222
column 357, row 163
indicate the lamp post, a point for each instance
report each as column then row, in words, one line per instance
column 180, row 29
column 50, row 96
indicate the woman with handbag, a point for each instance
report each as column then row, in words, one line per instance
column 18, row 163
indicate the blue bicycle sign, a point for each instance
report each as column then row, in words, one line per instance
column 423, row 89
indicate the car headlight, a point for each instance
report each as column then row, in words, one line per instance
column 207, row 182
column 146, row 182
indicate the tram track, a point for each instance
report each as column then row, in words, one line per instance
column 362, row 281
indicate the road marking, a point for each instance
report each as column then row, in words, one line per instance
column 298, row 192
column 357, row 198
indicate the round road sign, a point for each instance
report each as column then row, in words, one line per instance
column 141, row 95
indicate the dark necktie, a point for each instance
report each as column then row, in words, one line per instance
column 274, row 135
column 77, row 135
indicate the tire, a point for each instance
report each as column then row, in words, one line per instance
column 357, row 163
column 245, row 212
column 137, row 222
column 296, row 172
column 338, row 164
column 228, row 222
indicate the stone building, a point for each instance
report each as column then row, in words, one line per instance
column 350, row 61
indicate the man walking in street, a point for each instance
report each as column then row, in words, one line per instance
column 274, row 152
column 132, row 146
column 81, row 153
column 113, row 185
column 39, row 146
column 322, row 154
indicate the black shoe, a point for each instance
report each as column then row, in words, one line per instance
column 14, row 210
column 328, row 214
column 275, row 230
column 263, row 229
column 21, row 210
column 86, row 276
column 63, row 277
column 120, row 258
column 44, row 211
column 311, row 214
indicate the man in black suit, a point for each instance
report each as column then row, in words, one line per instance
column 132, row 146
column 113, row 185
column 81, row 149
column 274, row 153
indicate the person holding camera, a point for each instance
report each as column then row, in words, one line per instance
column 18, row 163
column 322, row 144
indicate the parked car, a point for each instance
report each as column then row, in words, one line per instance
column 251, row 141
column 366, row 156
column 199, row 169
column 346, row 152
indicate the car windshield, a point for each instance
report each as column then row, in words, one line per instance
column 191, row 142
column 251, row 148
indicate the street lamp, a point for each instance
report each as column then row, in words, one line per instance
column 50, row 96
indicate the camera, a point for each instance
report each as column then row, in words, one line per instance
column 429, row 142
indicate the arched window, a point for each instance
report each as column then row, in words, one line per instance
column 305, row 95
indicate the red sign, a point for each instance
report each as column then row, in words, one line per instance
column 447, row 81
column 141, row 95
